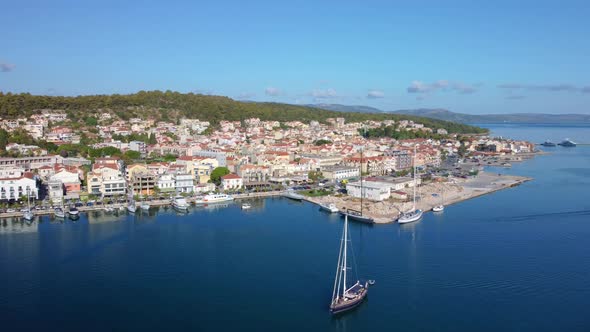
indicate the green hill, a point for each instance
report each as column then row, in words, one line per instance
column 171, row 106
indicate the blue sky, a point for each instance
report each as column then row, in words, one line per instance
column 465, row 56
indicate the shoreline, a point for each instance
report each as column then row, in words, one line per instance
column 453, row 192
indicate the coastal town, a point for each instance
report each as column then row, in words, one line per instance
column 326, row 162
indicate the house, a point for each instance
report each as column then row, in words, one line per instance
column 70, row 179
column 231, row 181
column 55, row 190
column 183, row 183
column 105, row 179
column 166, row 183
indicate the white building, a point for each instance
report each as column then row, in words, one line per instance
column 183, row 183
column 166, row 183
column 15, row 188
column 340, row 172
column 231, row 181
column 375, row 191
column 55, row 190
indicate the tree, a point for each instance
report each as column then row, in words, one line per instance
column 132, row 154
column 218, row 173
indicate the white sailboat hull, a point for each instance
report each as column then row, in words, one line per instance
column 410, row 217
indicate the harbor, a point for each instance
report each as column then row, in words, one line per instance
column 452, row 192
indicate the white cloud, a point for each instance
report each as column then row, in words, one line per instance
column 442, row 85
column 374, row 94
column 542, row 87
column 272, row 91
column 324, row 94
column 6, row 67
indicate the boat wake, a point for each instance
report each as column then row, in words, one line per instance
column 545, row 215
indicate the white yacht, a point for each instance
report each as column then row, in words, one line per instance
column 28, row 215
column 414, row 214
column 438, row 208
column 246, row 206
column 73, row 212
column 59, row 212
column 180, row 203
column 329, row 208
column 214, row 198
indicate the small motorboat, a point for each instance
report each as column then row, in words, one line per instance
column 438, row 208
column 246, row 206
column 59, row 213
column 332, row 208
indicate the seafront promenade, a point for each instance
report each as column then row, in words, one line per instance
column 153, row 203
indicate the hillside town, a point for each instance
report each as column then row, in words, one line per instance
column 180, row 158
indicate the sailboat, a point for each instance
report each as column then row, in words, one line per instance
column 345, row 298
column 354, row 214
column 28, row 214
column 59, row 212
column 131, row 207
column 414, row 214
column 441, row 206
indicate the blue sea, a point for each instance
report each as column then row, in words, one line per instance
column 515, row 260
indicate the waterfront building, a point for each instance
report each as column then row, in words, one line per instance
column 55, row 191
column 183, row 182
column 231, row 181
column 30, row 163
column 339, row 173
column 371, row 190
column 13, row 188
column 142, row 183
column 166, row 183
column 105, row 179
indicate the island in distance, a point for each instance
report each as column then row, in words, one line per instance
column 446, row 115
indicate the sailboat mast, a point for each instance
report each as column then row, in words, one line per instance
column 344, row 262
column 362, row 193
column 414, row 164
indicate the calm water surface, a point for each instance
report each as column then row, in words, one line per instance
column 515, row 260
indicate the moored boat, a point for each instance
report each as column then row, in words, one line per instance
column 145, row 205
column 292, row 194
column 131, row 207
column 59, row 212
column 180, row 203
column 568, row 143
column 214, row 198
column 28, row 215
column 345, row 298
column 73, row 212
column 357, row 216
column 329, row 208
column 246, row 206
column 414, row 214
column 548, row 143
column 438, row 208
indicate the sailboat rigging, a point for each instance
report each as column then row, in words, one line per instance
column 345, row 298
column 354, row 214
column 414, row 214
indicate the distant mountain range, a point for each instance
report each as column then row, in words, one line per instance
column 442, row 114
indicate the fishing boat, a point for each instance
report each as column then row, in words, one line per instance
column 413, row 214
column 345, row 298
column 246, row 206
column 179, row 203
column 59, row 212
column 548, row 143
column 568, row 143
column 329, row 208
column 292, row 194
column 214, row 198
